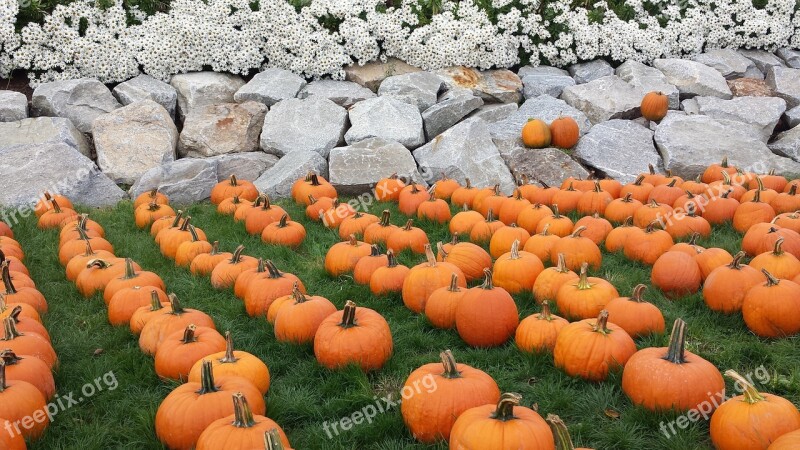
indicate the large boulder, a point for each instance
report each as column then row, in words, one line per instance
column 80, row 101
column 357, row 168
column 343, row 93
column 30, row 169
column 605, row 98
column 371, row 74
column 222, row 128
column 133, row 139
column 750, row 87
column 762, row 59
column 277, row 181
column 465, row 151
column 525, row 71
column 493, row 86
column 591, row 70
column 185, row 181
column 621, row 149
column 787, row 144
column 246, row 166
column 386, row 118
column 270, row 86
column 549, row 165
column 759, row 113
column 420, row 89
column 145, row 87
column 692, row 78
column 648, row 79
column 196, row 89
column 494, row 112
column 786, row 84
column 545, row 82
column 451, row 108
column 790, row 56
column 13, row 106
column 507, row 132
column 44, row 130
column 791, row 117
column 689, row 143
column 313, row 124
column 729, row 63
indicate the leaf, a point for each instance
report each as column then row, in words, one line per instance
column 611, row 413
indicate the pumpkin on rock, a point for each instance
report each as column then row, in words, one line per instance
column 536, row 134
column 564, row 132
column 654, row 106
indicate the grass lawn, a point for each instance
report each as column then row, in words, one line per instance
column 304, row 395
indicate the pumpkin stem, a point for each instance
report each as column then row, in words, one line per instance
column 726, row 194
column 233, row 181
column 237, row 255
column 10, row 331
column 429, row 254
column 583, row 281
column 560, row 433
column 578, row 231
column 155, row 301
column 726, row 178
column 189, row 334
column 10, row 289
column 177, row 219
column 266, row 205
column 175, row 304
column 10, row 357
column 490, row 215
column 597, row 187
column 282, row 222
column 453, row 283
column 3, row 384
column 724, row 162
column 467, row 184
column 207, row 385
column 677, row 343
column 314, row 180
column 487, row 279
column 792, row 189
column 101, row 263
column 272, row 440
column 392, row 259
column 628, row 198
column 349, row 315
column 693, row 238
column 56, row 208
column 515, row 250
column 672, row 183
column 153, row 206
column 353, row 241
column 637, row 293
column 601, row 326
column 496, row 189
column 214, row 248
column 193, row 232
column 130, row 271
column 82, row 233
column 408, row 225
column 450, row 366
column 570, row 187
column 751, row 394
column 272, row 269
column 778, row 249
column 374, row 250
column 639, row 180
column 505, row 407
column 545, row 230
column 771, row 279
column 546, row 313
column 297, row 294
column 517, row 194
column 556, row 214
column 651, row 169
column 544, row 185
column 455, row 239
column 415, row 189
column 242, row 415
column 14, row 312
column 736, row 263
column 385, row 218
column 760, row 184
column 561, row 267
column 757, row 197
column 229, row 357
column 432, row 193
column 628, row 222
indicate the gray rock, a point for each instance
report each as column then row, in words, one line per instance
column 133, row 139
column 730, row 63
column 605, row 98
column 692, row 78
column 690, row 106
column 493, row 86
column 184, row 181
column 313, row 124
column 786, row 83
column 145, row 87
column 44, row 130
column 343, row 93
column 621, row 149
column 550, row 165
column 762, row 59
column 689, row 143
column 465, row 151
column 790, row 56
column 25, row 176
column 648, row 79
column 13, row 106
column 198, row 89
column 542, row 107
column 80, row 101
column 591, row 70
column 277, row 180
column 787, row 144
column 792, row 117
column 371, row 74
column 494, row 112
column 222, row 128
column 420, row 89
column 246, row 166
column 386, row 118
column 524, row 71
column 545, row 83
column 356, row 169
column 270, row 86
column 759, row 113
column 448, row 112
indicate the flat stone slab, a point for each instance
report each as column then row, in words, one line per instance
column 550, row 166
column 787, row 144
column 371, row 74
column 386, row 118
column 729, row 63
column 343, row 93
column 762, row 59
column 648, row 79
column 790, row 56
column 185, row 181
column 357, row 168
column 545, row 83
column 605, row 98
column 786, row 84
column 759, row 113
column 13, row 106
column 313, row 124
column 693, row 78
column 524, row 71
column 494, row 112
column 145, row 87
column 621, row 149
column 420, row 89
column 80, row 101
column 44, row 130
column 493, row 86
column 277, row 180
column 197, row 89
column 589, row 71
column 222, row 128
column 270, row 86
column 446, row 113
column 246, row 166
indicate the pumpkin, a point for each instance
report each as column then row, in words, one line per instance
column 410, row 198
column 788, row 441
column 30, row 369
column 537, row 333
column 761, row 238
column 317, row 207
column 536, row 134
column 284, row 232
column 696, row 187
column 225, row 272
column 698, row 201
column 258, row 218
column 355, row 335
column 298, row 320
column 53, row 217
column 779, row 263
column 143, row 314
column 228, row 206
column 146, row 214
column 770, row 310
column 389, row 278
column 23, row 321
column 551, row 279
column 516, row 271
column 459, row 387
column 130, row 278
column 73, row 229
column 98, row 273
column 512, row 207
column 367, row 265
column 482, row 231
column 635, row 315
column 541, row 244
column 408, row 238
column 379, row 232
column 594, row 201
column 338, row 213
column 14, row 264
column 20, row 400
column 165, row 222
column 188, row 250
column 530, row 217
column 504, row 237
column 737, row 191
column 711, row 258
column 486, row 316
column 465, row 195
column 388, row 189
column 28, row 343
column 771, row 181
column 786, row 202
column 621, row 208
column 504, row 426
column 434, row 209
column 766, row 195
column 790, row 221
column 264, row 289
column 577, row 250
column 543, row 195
column 672, row 378
column 676, row 274
column 646, row 247
column 233, row 187
column 127, row 301
column 464, row 220
column 343, row 256
column 638, row 189
column 652, row 212
column 680, row 225
column 585, row 297
column 564, row 132
column 752, row 420
column 314, row 185
column 235, row 364
column 666, row 194
column 445, row 187
column 356, row 224
column 77, row 246
column 494, row 200
column 468, row 257
column 721, row 209
column 203, row 264
column 654, row 106
column 278, row 303
column 28, row 295
column 45, row 203
column 440, row 309
column 242, row 430
column 163, row 324
column 597, row 228
column 557, row 224
column 425, row 278
column 241, row 213
column 567, row 199
column 753, row 212
column 714, row 171
column 170, row 239
column 191, row 407
column 592, row 348
column 180, row 350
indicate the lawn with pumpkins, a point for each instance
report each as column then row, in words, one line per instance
column 657, row 314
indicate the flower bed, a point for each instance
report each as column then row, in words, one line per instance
column 322, row 36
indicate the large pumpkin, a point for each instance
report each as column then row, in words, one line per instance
column 299, row 319
column 516, row 271
column 19, row 401
column 635, row 315
column 725, row 288
column 486, row 316
column 355, row 335
column 585, row 297
column 425, row 278
column 772, row 309
column 676, row 274
column 234, row 363
column 241, row 430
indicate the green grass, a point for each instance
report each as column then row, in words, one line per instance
column 304, row 395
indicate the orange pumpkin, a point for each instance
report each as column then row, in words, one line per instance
column 388, row 189
column 510, row 425
column 300, row 317
column 536, row 134
column 584, row 297
column 654, row 106
column 465, row 195
column 592, row 348
column 233, row 187
column 408, row 238
column 410, row 198
column 367, row 265
column 577, row 250
column 557, row 224
column 486, row 316
column 676, row 274
column 390, row 278
column 355, row 335
column 233, row 363
column 378, row 233
column 771, row 310
column 356, row 224
column 542, row 244
column 425, row 278
column 284, row 232
column 638, row 189
column 635, row 315
column 537, row 333
column 314, row 185
column 564, row 132
column 551, row 279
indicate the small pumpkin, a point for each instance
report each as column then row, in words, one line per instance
column 203, row 264
column 584, row 297
column 594, row 202
column 143, row 314
column 356, row 224
column 378, row 232
column 561, row 434
column 513, row 206
column 312, row 185
column 55, row 216
column 542, row 244
column 592, row 348
column 434, row 209
column 464, row 220
column 557, row 224
column 504, row 237
column 337, row 214
column 228, row 206
column 225, row 272
column 486, row 316
column 468, row 257
column 537, row 333
column 27, row 343
column 284, row 232
column 536, row 134
column 530, row 217
column 130, row 278
column 317, row 207
column 233, row 363
column 242, row 430
column 440, row 309
column 233, row 187
column 343, row 256
column 445, row 187
column 20, row 400
column 482, row 232
column 389, row 278
column 164, row 324
column 355, row 335
column 388, row 189
column 568, row 198
column 408, row 237
column 564, row 132
column 425, row 278
column 180, row 350
column 367, row 265
column 577, row 250
column 98, row 272
column 127, row 301
column 752, row 212
column 714, row 171
column 638, row 189
column 258, row 218
column 621, row 208
column 45, row 203
column 264, row 289
column 654, row 106
column 410, row 198
column 676, row 274
column 786, row 202
column 144, row 215
column 646, row 247
column 30, row 369
column 465, row 195
column 516, row 271
column 779, row 263
column 188, row 250
column 298, row 320
column 551, row 279
column 652, row 212
column 635, row 315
